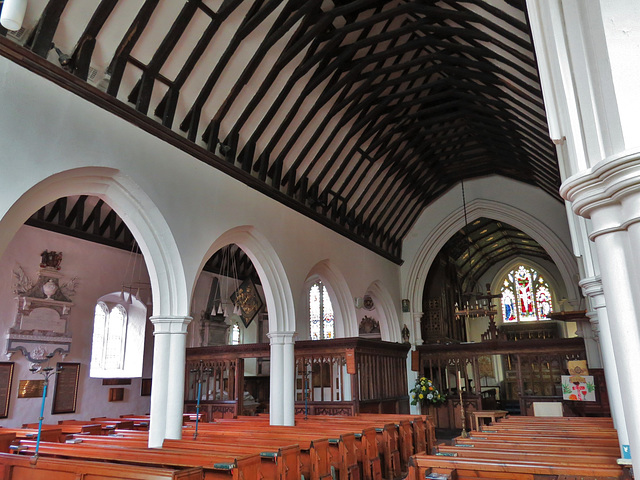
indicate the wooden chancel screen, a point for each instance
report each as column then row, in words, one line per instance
column 341, row 376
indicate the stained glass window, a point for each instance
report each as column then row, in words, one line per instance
column 321, row 321
column 525, row 296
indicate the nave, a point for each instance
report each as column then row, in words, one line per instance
column 362, row 447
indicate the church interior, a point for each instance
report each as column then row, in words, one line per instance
column 362, row 227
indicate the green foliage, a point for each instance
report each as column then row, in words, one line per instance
column 425, row 393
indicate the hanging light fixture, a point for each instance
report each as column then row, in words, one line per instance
column 483, row 306
column 228, row 282
column 13, row 14
column 129, row 285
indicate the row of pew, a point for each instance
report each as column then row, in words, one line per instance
column 527, row 448
column 367, row 447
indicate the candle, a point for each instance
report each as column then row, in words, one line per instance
column 459, row 381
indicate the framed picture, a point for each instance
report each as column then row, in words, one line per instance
column 145, row 387
column 66, row 390
column 6, row 378
column 247, row 299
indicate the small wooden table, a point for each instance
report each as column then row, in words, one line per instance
column 492, row 415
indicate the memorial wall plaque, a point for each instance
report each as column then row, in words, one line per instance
column 6, row 378
column 30, row 388
column 66, row 394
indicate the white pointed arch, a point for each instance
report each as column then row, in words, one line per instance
column 387, row 314
column 344, row 311
column 137, row 210
column 454, row 221
column 275, row 284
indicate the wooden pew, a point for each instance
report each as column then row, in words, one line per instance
column 388, row 441
column 460, row 468
column 343, row 452
column 315, row 452
column 19, row 467
column 524, row 450
column 543, row 438
column 542, row 455
column 6, row 439
column 215, row 466
column 52, row 434
column 534, row 446
column 286, row 459
column 67, row 430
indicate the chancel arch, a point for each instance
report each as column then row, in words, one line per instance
column 454, row 220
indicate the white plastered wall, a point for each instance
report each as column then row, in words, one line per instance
column 54, row 144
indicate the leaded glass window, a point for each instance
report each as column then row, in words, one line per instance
column 99, row 325
column 235, row 334
column 321, row 321
column 525, row 296
column 114, row 346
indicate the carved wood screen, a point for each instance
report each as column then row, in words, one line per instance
column 528, row 368
column 325, row 383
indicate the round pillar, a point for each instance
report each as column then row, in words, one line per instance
column 167, row 389
column 592, row 288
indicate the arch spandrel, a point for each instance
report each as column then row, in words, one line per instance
column 134, row 206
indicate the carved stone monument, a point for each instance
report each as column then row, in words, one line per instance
column 41, row 324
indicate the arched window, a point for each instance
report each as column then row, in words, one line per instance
column 525, row 296
column 235, row 334
column 118, row 336
column 321, row 325
column 100, row 316
column 115, row 335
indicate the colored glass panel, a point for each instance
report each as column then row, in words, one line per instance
column 525, row 296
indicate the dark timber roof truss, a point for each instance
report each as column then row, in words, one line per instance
column 358, row 113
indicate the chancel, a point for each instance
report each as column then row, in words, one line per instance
column 238, row 214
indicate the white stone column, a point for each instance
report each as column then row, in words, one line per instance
column 177, row 373
column 167, row 389
column 592, row 288
column 159, row 386
column 282, row 379
column 288, row 383
column 609, row 194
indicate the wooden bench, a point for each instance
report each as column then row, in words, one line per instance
column 286, row 459
column 524, row 450
column 215, row 466
column 519, row 445
column 343, row 450
column 87, row 429
column 6, row 439
column 52, row 434
column 18, row 467
column 421, row 466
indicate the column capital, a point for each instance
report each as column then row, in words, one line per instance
column 603, row 188
column 592, row 288
column 163, row 324
column 281, row 338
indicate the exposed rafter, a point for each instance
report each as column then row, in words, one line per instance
column 359, row 112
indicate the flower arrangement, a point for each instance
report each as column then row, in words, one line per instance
column 425, row 393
